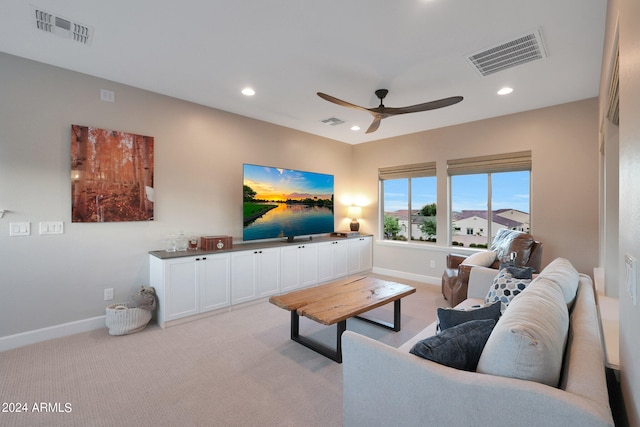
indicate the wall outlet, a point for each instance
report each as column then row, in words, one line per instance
column 108, row 294
column 107, row 95
column 433, row 264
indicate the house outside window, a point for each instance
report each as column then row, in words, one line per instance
column 408, row 203
column 478, row 186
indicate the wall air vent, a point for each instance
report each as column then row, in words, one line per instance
column 526, row 48
column 332, row 121
column 63, row 27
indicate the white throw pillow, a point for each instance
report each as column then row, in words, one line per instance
column 529, row 340
column 483, row 259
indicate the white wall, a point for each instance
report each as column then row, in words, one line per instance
column 53, row 279
column 627, row 13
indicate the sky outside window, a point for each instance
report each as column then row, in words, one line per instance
column 510, row 190
column 396, row 193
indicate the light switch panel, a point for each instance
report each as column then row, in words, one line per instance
column 52, row 227
column 631, row 277
column 19, row 229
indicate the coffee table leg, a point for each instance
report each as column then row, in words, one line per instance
column 342, row 326
column 335, row 355
column 295, row 324
column 397, row 316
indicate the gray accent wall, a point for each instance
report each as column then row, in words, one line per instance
column 563, row 140
column 47, row 280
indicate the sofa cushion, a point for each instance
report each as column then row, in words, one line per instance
column 505, row 288
column 507, row 241
column 484, row 258
column 458, row 347
column 450, row 317
column 528, row 342
column 563, row 274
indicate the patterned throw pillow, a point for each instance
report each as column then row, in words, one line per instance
column 505, row 288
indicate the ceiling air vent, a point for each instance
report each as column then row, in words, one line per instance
column 527, row 48
column 332, row 121
column 63, row 27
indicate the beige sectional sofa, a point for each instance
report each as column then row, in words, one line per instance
column 386, row 386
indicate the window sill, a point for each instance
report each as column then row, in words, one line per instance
column 428, row 247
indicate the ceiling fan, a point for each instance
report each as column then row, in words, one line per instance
column 381, row 112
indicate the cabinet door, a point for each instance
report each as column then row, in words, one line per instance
column 243, row 276
column 214, row 281
column 308, row 265
column 366, row 250
column 289, row 265
column 325, row 262
column 298, row 266
column 339, row 258
column 181, row 288
column 359, row 254
column 268, row 272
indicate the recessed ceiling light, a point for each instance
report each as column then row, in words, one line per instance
column 505, row 91
column 247, row 91
column 355, row 128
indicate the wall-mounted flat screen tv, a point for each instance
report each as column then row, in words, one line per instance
column 285, row 203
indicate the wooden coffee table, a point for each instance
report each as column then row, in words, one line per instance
column 335, row 302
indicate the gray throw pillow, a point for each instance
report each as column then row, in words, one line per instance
column 458, row 347
column 450, row 317
column 518, row 272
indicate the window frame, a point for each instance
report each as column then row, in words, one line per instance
column 408, row 172
column 489, row 165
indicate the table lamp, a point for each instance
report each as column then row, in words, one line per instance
column 355, row 212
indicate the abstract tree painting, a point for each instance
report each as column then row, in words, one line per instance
column 111, row 176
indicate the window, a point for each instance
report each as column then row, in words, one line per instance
column 408, row 195
column 497, row 184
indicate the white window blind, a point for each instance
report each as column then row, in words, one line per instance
column 408, row 171
column 509, row 162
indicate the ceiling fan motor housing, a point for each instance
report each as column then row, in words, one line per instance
column 381, row 93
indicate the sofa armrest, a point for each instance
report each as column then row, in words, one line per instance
column 384, row 386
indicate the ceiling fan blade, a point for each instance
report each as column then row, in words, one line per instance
column 433, row 105
column 375, row 124
column 339, row 101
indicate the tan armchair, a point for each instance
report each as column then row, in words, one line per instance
column 455, row 279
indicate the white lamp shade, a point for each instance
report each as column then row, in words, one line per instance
column 355, row 212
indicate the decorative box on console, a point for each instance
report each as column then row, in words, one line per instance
column 216, row 243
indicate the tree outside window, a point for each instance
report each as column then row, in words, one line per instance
column 410, row 209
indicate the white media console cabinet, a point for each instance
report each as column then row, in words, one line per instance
column 197, row 282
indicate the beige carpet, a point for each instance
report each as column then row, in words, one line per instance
column 236, row 368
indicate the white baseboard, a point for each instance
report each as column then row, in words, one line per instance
column 31, row 337
column 430, row 280
column 39, row 335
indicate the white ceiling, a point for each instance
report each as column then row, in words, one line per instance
column 206, row 51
